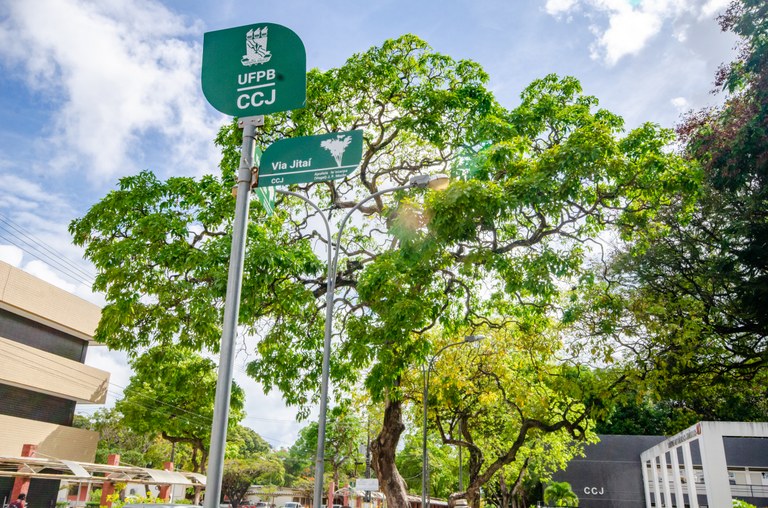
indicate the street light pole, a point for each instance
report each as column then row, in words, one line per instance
column 425, row 395
column 436, row 182
column 461, row 463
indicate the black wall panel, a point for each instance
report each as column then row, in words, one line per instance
column 23, row 403
column 42, row 337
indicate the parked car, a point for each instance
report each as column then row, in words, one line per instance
column 292, row 504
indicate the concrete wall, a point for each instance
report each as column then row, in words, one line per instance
column 610, row 476
column 53, row 440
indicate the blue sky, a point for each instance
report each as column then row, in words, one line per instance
column 94, row 90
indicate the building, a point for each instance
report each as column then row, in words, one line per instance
column 708, row 464
column 723, row 460
column 610, row 473
column 45, row 333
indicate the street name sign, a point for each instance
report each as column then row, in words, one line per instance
column 311, row 159
column 367, row 484
column 254, row 70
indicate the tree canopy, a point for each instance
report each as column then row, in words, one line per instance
column 240, row 474
column 171, row 393
column 533, row 188
column 560, row 494
column 683, row 301
column 517, row 408
column 139, row 448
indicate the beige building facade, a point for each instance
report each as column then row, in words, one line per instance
column 45, row 333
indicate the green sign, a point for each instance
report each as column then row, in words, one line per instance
column 254, row 70
column 311, row 159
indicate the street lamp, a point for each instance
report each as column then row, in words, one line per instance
column 425, row 394
column 435, row 182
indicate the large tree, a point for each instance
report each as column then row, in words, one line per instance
column 685, row 299
column 171, row 393
column 532, row 187
column 240, row 474
column 246, row 443
column 516, row 408
column 443, row 463
column 116, row 438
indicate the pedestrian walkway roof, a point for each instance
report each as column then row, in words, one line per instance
column 57, row 469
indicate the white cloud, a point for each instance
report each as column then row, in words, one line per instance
column 680, row 103
column 44, row 272
column 713, row 7
column 625, row 27
column 627, row 34
column 114, row 362
column 681, row 33
column 555, row 7
column 111, row 72
column 268, row 414
column 20, row 194
column 11, row 255
column 52, row 275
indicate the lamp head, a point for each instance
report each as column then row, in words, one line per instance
column 473, row 338
column 439, row 181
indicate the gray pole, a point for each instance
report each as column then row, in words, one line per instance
column 421, row 181
column 231, row 312
column 461, row 472
column 424, row 456
column 333, row 259
column 317, row 498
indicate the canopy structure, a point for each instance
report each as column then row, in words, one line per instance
column 412, row 500
column 56, row 469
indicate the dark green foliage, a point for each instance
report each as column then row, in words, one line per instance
column 685, row 299
column 139, row 448
column 247, row 443
column 548, row 178
column 171, row 393
column 240, row 474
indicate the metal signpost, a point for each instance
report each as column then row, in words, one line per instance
column 311, row 159
column 247, row 71
column 291, row 161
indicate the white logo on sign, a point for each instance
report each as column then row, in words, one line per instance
column 337, row 146
column 256, row 47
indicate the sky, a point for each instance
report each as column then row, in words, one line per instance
column 91, row 91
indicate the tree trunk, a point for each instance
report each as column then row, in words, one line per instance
column 518, row 494
column 504, row 492
column 475, row 463
column 195, row 463
column 203, row 459
column 383, row 450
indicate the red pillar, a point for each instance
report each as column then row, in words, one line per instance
column 165, row 490
column 108, row 488
column 331, row 492
column 82, row 493
column 21, row 483
column 346, row 496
